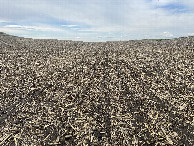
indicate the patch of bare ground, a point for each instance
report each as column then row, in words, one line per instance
column 115, row 93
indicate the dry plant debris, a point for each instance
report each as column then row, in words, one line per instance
column 55, row 92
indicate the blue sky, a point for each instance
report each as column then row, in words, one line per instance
column 97, row 20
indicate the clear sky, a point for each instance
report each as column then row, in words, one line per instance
column 97, row 20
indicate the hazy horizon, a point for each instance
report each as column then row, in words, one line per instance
column 97, row 20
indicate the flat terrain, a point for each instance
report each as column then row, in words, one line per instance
column 55, row 92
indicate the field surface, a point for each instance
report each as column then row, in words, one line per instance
column 55, row 92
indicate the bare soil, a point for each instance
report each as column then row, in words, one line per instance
column 55, row 92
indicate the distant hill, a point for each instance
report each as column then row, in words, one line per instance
column 162, row 39
column 4, row 34
column 1, row 33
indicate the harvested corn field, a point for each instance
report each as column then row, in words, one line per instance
column 55, row 92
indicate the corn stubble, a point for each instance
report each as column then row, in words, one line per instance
column 56, row 92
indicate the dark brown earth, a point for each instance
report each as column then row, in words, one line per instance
column 113, row 93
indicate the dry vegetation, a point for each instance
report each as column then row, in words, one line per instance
column 113, row 93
